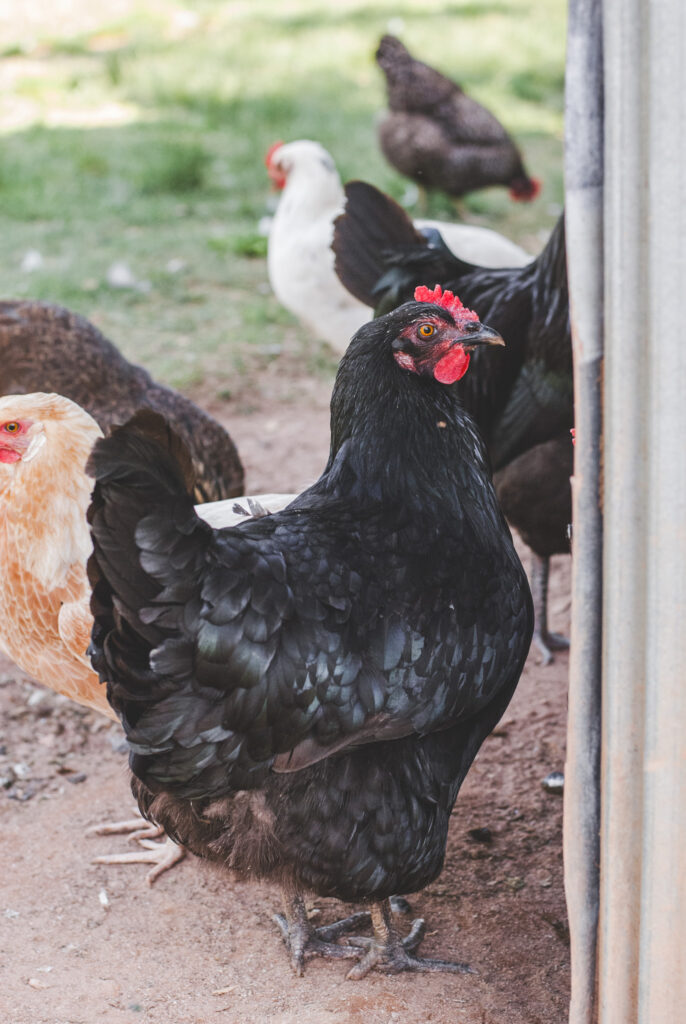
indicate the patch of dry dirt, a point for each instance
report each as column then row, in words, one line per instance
column 83, row 943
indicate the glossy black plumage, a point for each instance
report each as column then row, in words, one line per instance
column 44, row 347
column 521, row 399
column 304, row 693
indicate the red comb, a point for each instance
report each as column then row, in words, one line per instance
column 270, row 152
column 445, row 299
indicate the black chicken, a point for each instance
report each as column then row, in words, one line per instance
column 304, row 694
column 440, row 137
column 48, row 348
column 523, row 401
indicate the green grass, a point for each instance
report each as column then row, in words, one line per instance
column 139, row 136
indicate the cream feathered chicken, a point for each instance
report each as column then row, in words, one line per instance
column 300, row 261
column 45, row 617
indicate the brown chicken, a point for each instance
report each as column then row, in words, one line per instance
column 45, row 348
column 440, row 137
column 45, row 617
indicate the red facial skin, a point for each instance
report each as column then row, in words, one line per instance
column 432, row 346
column 13, row 440
column 278, row 178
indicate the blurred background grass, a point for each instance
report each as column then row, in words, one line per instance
column 134, row 132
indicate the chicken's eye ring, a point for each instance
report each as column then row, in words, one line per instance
column 426, row 330
column 11, row 428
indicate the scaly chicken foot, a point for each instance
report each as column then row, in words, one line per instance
column 304, row 942
column 545, row 641
column 164, row 855
column 391, row 954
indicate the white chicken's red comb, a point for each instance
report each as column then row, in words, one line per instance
column 447, row 300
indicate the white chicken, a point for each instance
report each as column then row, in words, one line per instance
column 300, row 261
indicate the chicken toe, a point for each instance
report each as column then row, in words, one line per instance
column 304, row 942
column 163, row 855
column 389, row 953
column 549, row 642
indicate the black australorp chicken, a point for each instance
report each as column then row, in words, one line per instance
column 304, row 694
column 50, row 349
column 522, row 400
column 440, row 137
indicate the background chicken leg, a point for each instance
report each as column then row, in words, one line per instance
column 163, row 853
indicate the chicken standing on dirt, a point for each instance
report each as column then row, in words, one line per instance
column 45, row 348
column 304, row 694
column 300, row 260
column 523, row 402
column 440, row 137
column 45, row 616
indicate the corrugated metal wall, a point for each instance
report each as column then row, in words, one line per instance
column 641, row 974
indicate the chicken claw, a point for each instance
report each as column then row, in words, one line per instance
column 304, row 942
column 162, row 854
column 549, row 642
column 389, row 953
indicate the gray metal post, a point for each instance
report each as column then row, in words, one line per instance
column 642, row 932
column 584, row 223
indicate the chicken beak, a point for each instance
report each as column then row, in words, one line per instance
column 484, row 336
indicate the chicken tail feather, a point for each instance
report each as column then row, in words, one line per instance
column 147, row 546
column 371, row 225
column 380, row 257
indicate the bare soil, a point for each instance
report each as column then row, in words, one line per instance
column 83, row 943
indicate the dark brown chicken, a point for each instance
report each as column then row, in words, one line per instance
column 441, row 138
column 304, row 694
column 46, row 348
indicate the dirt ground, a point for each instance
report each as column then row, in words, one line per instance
column 83, row 943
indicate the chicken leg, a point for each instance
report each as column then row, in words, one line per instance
column 163, row 855
column 391, row 954
column 545, row 641
column 304, row 942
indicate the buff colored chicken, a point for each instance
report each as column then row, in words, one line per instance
column 45, row 617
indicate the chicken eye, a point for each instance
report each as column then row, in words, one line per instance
column 11, row 428
column 426, row 330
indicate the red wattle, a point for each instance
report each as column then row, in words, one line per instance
column 452, row 366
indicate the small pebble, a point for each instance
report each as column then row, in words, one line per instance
column 399, row 905
column 481, row 835
column 79, row 777
column 554, row 783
